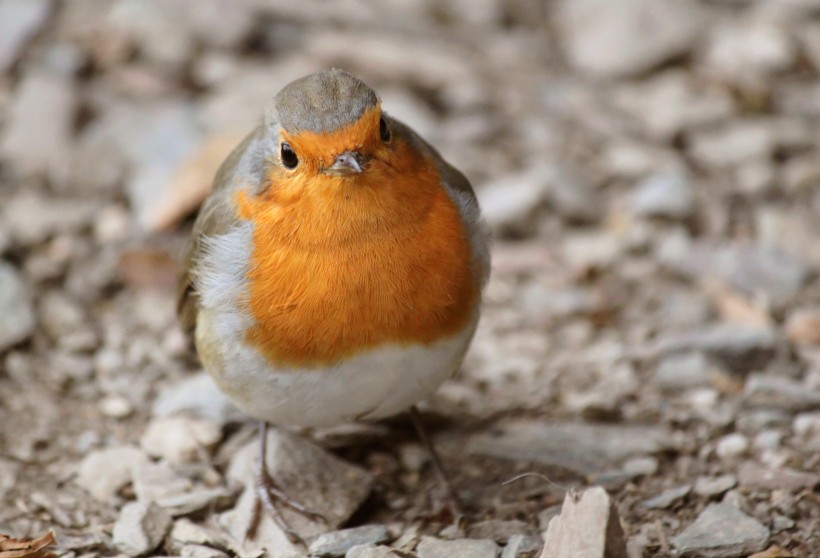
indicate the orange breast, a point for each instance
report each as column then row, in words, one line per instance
column 342, row 265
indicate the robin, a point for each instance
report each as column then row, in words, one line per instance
column 335, row 272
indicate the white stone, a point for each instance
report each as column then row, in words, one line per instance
column 180, row 439
column 140, row 528
column 732, row 446
column 103, row 473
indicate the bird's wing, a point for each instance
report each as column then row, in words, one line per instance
column 243, row 167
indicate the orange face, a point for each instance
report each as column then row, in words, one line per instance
column 343, row 263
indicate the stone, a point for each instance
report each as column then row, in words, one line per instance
column 19, row 22
column 431, row 547
column 158, row 481
column 37, row 135
column 665, row 194
column 734, row 144
column 337, row 543
column 807, row 424
column 198, row 397
column 585, row 251
column 511, row 204
column 32, row 219
column 671, row 103
column 732, row 446
column 185, row 532
column 180, row 439
column 115, row 406
column 320, row 481
column 574, row 198
column 775, row 391
column 499, row 530
column 522, row 546
column 103, row 473
column 588, row 527
column 667, row 498
column 17, row 318
column 684, row 370
column 721, row 530
column 751, row 475
column 370, row 551
column 714, row 486
column 740, row 349
column 201, row 551
column 140, row 528
column 606, row 39
column 587, row 449
column 750, row 51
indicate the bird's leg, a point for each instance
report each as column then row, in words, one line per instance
column 269, row 494
column 452, row 498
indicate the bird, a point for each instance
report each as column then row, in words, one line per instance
column 335, row 272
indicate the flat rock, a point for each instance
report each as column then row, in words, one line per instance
column 587, row 449
column 626, row 38
column 498, row 530
column 140, row 528
column 511, row 204
column 431, row 547
column 370, row 551
column 180, row 439
column 319, row 480
column 779, row 392
column 755, row 476
column 196, row 396
column 522, row 546
column 588, row 527
column 19, row 21
column 668, row 497
column 722, row 531
column 17, row 318
column 666, row 194
column 337, row 543
column 40, row 125
column 33, row 218
column 740, row 349
column 714, row 486
column 684, row 370
column 103, row 473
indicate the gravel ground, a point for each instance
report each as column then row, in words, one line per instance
column 652, row 175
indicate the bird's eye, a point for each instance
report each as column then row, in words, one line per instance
column 289, row 158
column 384, row 132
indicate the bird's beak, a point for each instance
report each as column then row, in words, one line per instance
column 349, row 162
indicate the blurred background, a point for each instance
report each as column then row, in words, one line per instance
column 650, row 169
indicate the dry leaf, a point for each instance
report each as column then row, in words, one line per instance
column 149, row 268
column 192, row 181
column 773, row 552
column 734, row 307
column 19, row 548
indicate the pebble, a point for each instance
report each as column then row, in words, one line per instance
column 17, row 318
column 180, row 439
column 721, row 530
column 140, row 528
column 500, row 531
column 370, row 551
column 337, row 543
column 768, row 440
column 19, row 21
column 665, row 194
column 586, row 449
column 683, row 370
column 38, row 132
column 307, row 471
column 586, row 251
column 668, row 497
column 200, row 551
column 740, row 349
column 714, row 486
column 778, row 392
column 613, row 40
column 116, row 406
column 431, row 547
column 751, row 475
column 522, row 546
column 157, row 482
column 734, row 144
column 185, row 532
column 807, row 424
column 103, row 473
column 732, row 446
column 199, row 397
column 32, row 219
column 574, row 198
column 511, row 204
column 591, row 517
